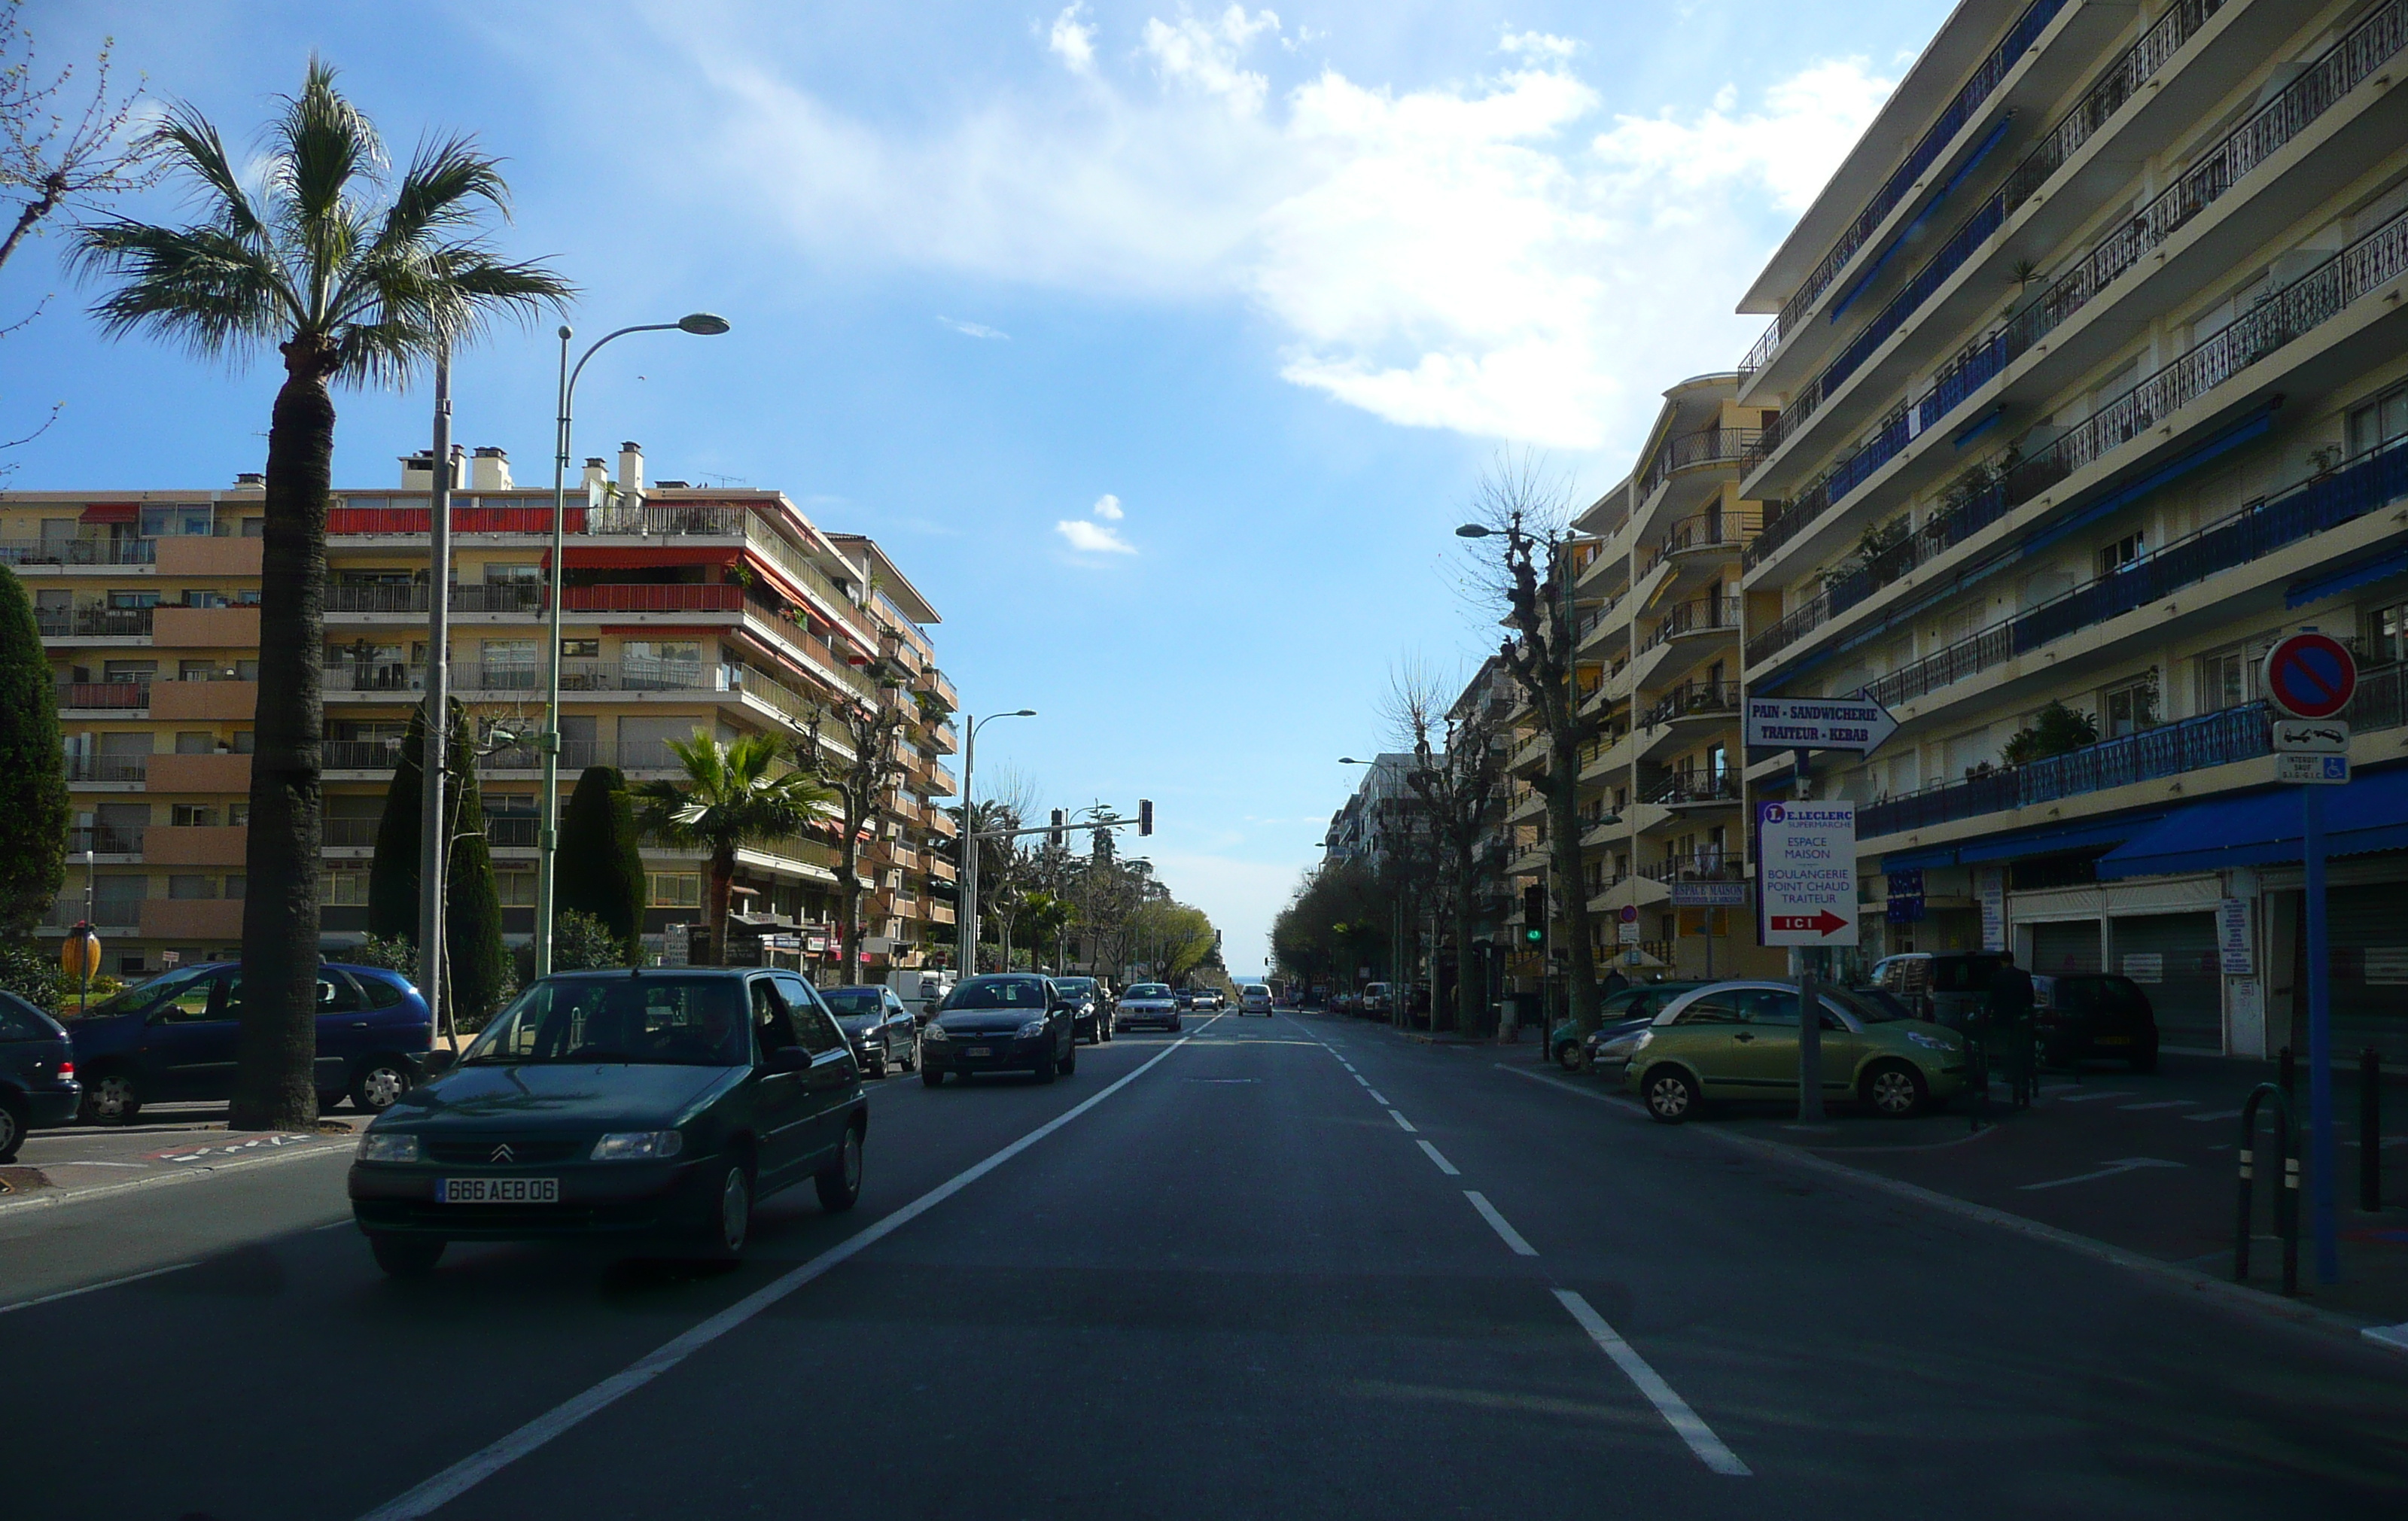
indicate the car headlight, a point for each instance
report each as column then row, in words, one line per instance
column 1932, row 1042
column 935, row 1032
column 1643, row 1039
column 638, row 1145
column 1034, row 1026
column 388, row 1146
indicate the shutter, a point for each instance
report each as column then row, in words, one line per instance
column 2173, row 958
column 2366, row 939
column 2059, row 948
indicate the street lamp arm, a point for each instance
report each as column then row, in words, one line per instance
column 569, row 390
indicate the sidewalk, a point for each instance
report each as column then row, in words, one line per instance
column 170, row 1143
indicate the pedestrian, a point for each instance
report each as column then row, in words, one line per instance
column 2010, row 1012
column 1614, row 981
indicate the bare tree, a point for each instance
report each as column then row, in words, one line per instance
column 1529, row 511
column 861, row 781
column 1459, row 780
column 53, row 154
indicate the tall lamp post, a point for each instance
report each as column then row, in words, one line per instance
column 704, row 324
column 966, row 931
column 1399, row 984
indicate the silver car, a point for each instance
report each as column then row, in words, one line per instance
column 1146, row 1003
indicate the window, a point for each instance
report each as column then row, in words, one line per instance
column 2226, row 680
column 2379, row 420
column 237, row 814
column 674, row 889
column 772, row 1027
column 236, row 885
column 497, row 574
column 2130, row 707
column 2123, row 552
column 1712, row 1008
column 343, row 889
column 133, row 599
column 580, row 649
column 814, row 1026
column 245, row 742
column 516, row 889
column 2386, row 635
column 196, row 670
column 179, row 520
column 254, row 527
column 187, row 885
column 192, row 815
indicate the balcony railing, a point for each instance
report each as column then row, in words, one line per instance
column 574, row 676
column 2341, row 69
column 1707, row 446
column 1705, row 531
column 1705, row 615
column 725, row 596
column 106, row 840
column 93, row 623
column 1705, row 866
column 42, row 552
column 1693, row 700
column 108, row 767
column 514, row 831
column 120, row 696
column 1696, row 787
column 68, row 910
column 1951, row 120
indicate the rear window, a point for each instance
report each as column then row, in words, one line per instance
column 998, row 993
column 383, row 992
column 18, row 1020
column 1148, row 990
column 852, row 1000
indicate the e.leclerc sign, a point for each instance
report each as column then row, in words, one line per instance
column 1806, row 873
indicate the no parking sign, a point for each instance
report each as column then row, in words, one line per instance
column 2311, row 675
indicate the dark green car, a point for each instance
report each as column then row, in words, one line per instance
column 649, row 1109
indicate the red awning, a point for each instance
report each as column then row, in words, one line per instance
column 614, row 557
column 112, row 512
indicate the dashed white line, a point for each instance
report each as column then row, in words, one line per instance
column 2219, row 1114
column 1403, row 1123
column 1377, row 1097
column 1668, row 1402
column 2086, row 1098
column 2162, row 1103
column 1497, row 1223
column 1443, row 1165
column 94, row 1288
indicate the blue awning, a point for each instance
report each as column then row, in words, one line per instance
column 2348, row 579
column 2263, row 828
column 2015, row 845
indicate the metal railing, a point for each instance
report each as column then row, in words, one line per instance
column 1693, row 700
column 574, row 676
column 1700, row 868
column 1707, row 446
column 68, row 910
column 1696, row 787
column 106, row 840
column 108, row 767
column 1705, row 615
column 93, row 622
column 119, row 695
column 622, row 597
column 512, row 831
column 1705, row 531
column 64, row 552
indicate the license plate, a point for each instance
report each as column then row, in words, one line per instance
column 979, row 1051
column 498, row 1190
column 2111, row 1039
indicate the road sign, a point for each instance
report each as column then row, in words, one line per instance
column 2311, row 736
column 1856, row 724
column 2321, row 770
column 2311, row 675
column 1806, row 873
column 1709, row 895
column 1630, row 915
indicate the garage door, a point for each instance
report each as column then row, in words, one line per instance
column 2068, row 947
column 2366, row 932
column 2173, row 958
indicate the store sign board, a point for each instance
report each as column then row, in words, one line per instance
column 1806, row 871
column 1709, row 895
column 2234, row 948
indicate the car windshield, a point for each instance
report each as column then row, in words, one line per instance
column 1148, row 990
column 649, row 1021
column 1074, row 985
column 851, row 1000
column 145, row 996
column 997, row 993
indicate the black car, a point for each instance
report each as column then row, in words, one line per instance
column 2090, row 1015
column 884, row 1033
column 1089, row 1021
column 38, row 1081
column 1014, row 1021
column 639, row 1108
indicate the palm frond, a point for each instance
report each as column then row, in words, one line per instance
column 203, row 287
column 190, row 145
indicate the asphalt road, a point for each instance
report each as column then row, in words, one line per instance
column 1294, row 1266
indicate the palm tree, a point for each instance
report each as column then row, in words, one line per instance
column 729, row 798
column 306, row 255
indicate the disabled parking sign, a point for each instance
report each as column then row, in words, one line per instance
column 1806, row 873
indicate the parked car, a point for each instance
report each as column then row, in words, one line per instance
column 1183, row 996
column 883, row 1032
column 1254, row 999
column 1376, row 998
column 1622, row 1014
column 172, row 1039
column 637, row 1107
column 37, row 1074
column 2086, row 1015
column 1087, row 1017
column 1739, row 1039
column 1008, row 1022
column 1146, row 1003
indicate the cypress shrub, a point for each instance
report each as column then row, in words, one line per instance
column 392, row 874
column 34, row 809
column 476, row 965
column 599, row 869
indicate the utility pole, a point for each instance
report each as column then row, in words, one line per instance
column 432, row 830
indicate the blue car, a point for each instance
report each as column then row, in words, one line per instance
column 38, row 1081
column 173, row 1038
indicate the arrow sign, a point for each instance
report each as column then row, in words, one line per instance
column 1856, row 724
column 1820, row 923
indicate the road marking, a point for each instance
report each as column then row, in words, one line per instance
column 2162, row 1103
column 2219, row 1114
column 1376, row 1097
column 2085, row 1098
column 1669, row 1404
column 2390, row 1338
column 1403, row 1123
column 2127, row 1164
column 473, row 1469
column 1443, row 1165
column 94, row 1288
column 1496, row 1222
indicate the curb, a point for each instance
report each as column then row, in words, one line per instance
column 2328, row 1323
column 53, row 1197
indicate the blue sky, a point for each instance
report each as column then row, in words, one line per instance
column 1279, row 285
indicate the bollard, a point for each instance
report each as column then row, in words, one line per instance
column 2286, row 1203
column 2370, row 1131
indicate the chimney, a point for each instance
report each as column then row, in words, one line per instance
column 631, row 468
column 417, row 470
column 251, row 480
column 595, row 472
column 491, row 470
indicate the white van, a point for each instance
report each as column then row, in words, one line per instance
column 1254, row 998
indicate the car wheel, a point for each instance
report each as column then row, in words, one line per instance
column 932, row 1077
column 911, row 1054
column 730, row 1221
column 840, row 1182
column 1069, row 1063
column 12, row 1129
column 1045, row 1066
column 111, row 1098
column 1174, row 1027
column 1569, row 1055
column 1671, row 1095
column 1894, row 1090
column 375, row 1089
column 406, row 1257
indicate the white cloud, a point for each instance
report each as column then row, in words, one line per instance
column 1107, row 506
column 1503, row 257
column 1093, row 537
column 1072, row 40
column 976, row 330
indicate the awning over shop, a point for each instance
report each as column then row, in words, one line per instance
column 2016, row 845
column 2263, row 829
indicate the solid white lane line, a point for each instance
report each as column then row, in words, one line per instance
column 1403, row 1123
column 94, row 1288
column 1443, row 1165
column 1496, row 1222
column 473, row 1469
column 1669, row 1404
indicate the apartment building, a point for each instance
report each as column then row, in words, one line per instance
column 2092, row 379
column 684, row 611
column 1531, row 860
column 1660, row 795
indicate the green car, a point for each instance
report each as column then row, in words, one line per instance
column 1739, row 1039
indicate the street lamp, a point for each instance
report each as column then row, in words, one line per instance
column 702, row 325
column 966, row 931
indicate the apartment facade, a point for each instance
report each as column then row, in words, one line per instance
column 2091, row 380
column 684, row 611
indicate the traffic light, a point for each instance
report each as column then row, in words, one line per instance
column 1534, row 914
column 1059, row 835
column 1145, row 815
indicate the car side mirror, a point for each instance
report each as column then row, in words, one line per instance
column 440, row 1060
column 788, row 1059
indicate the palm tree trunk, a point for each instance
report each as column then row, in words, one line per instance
column 723, row 877
column 276, row 1054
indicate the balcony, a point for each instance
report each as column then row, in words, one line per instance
column 205, row 699
column 513, row 597
column 574, row 676
column 512, row 831
column 36, row 553
column 1716, row 530
column 116, row 696
column 108, row 768
column 723, row 597
column 1708, row 446
column 106, row 840
column 1693, row 699
column 1695, row 787
column 69, row 910
column 1703, row 866
column 93, row 622
column 1708, row 615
